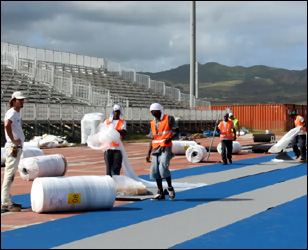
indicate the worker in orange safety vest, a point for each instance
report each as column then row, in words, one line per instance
column 113, row 156
column 163, row 129
column 300, row 138
column 227, row 135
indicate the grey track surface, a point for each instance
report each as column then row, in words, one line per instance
column 193, row 222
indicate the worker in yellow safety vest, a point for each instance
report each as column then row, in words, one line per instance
column 235, row 123
column 163, row 129
column 300, row 138
column 113, row 156
column 227, row 135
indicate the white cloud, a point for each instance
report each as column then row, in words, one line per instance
column 155, row 36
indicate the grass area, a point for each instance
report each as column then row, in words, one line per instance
column 135, row 138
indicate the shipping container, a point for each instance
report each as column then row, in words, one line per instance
column 274, row 117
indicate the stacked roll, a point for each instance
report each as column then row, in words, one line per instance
column 196, row 153
column 72, row 193
column 42, row 166
column 180, row 147
column 235, row 150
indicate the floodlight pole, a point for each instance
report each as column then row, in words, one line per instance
column 192, row 54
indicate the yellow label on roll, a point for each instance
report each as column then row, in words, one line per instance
column 186, row 147
column 73, row 198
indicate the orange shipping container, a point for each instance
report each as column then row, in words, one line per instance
column 274, row 117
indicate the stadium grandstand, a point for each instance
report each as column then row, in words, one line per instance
column 62, row 87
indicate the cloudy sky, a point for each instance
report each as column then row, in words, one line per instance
column 154, row 36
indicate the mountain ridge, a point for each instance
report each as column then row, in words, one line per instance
column 258, row 84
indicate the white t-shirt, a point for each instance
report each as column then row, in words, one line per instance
column 13, row 115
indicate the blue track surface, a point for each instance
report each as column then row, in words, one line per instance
column 272, row 226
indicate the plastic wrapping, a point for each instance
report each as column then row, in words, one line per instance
column 106, row 133
column 42, row 166
column 180, row 147
column 104, row 136
column 237, row 147
column 195, row 153
column 72, row 193
column 284, row 141
column 127, row 186
column 89, row 123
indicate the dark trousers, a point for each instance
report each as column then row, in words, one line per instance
column 301, row 140
column 226, row 149
column 113, row 160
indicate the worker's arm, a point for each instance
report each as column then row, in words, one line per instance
column 234, row 131
column 175, row 133
column 122, row 132
column 8, row 128
column 149, row 152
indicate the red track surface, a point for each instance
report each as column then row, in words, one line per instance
column 85, row 161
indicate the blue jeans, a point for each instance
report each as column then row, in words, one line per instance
column 301, row 140
column 160, row 164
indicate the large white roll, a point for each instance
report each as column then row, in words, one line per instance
column 72, row 193
column 195, row 153
column 42, row 166
column 31, row 144
column 180, row 147
column 235, row 150
column 31, row 152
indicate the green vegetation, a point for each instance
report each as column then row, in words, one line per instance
column 259, row 84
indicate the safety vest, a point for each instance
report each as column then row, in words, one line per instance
column 297, row 123
column 164, row 132
column 235, row 121
column 117, row 127
column 226, row 132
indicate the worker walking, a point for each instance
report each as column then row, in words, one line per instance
column 113, row 156
column 163, row 129
column 227, row 135
column 235, row 123
column 300, row 138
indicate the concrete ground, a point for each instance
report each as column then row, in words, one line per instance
column 252, row 203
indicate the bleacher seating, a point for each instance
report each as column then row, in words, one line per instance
column 138, row 96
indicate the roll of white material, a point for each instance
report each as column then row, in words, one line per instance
column 72, row 193
column 89, row 124
column 31, row 144
column 42, row 166
column 180, row 147
column 285, row 140
column 235, row 150
column 196, row 153
column 3, row 156
column 127, row 186
column 31, row 152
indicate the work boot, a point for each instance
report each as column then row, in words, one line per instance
column 170, row 191
column 298, row 154
column 303, row 160
column 159, row 196
column 230, row 160
column 224, row 163
column 10, row 208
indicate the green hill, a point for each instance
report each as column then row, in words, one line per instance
column 221, row 84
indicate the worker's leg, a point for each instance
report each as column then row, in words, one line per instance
column 229, row 149
column 108, row 156
column 117, row 162
column 302, row 145
column 224, row 151
column 295, row 147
